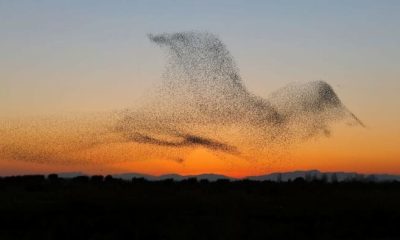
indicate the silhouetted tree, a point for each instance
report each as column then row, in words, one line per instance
column 53, row 177
column 109, row 179
column 138, row 180
column 299, row 180
column 334, row 178
column 168, row 181
column 223, row 180
column 97, row 179
column 279, row 177
column 190, row 181
column 371, row 178
column 81, row 179
column 204, row 181
column 308, row 177
column 324, row 178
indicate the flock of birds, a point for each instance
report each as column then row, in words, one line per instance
column 201, row 103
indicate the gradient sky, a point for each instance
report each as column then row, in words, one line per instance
column 62, row 57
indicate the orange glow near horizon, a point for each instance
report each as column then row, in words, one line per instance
column 347, row 150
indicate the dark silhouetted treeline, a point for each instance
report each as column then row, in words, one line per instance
column 97, row 207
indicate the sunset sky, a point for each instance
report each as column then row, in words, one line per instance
column 72, row 59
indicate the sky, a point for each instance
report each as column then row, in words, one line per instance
column 78, row 57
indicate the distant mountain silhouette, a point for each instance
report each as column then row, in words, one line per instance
column 278, row 176
column 313, row 174
column 307, row 175
column 70, row 174
column 329, row 176
column 129, row 176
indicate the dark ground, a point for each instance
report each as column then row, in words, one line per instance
column 36, row 207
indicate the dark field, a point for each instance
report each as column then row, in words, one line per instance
column 36, row 207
